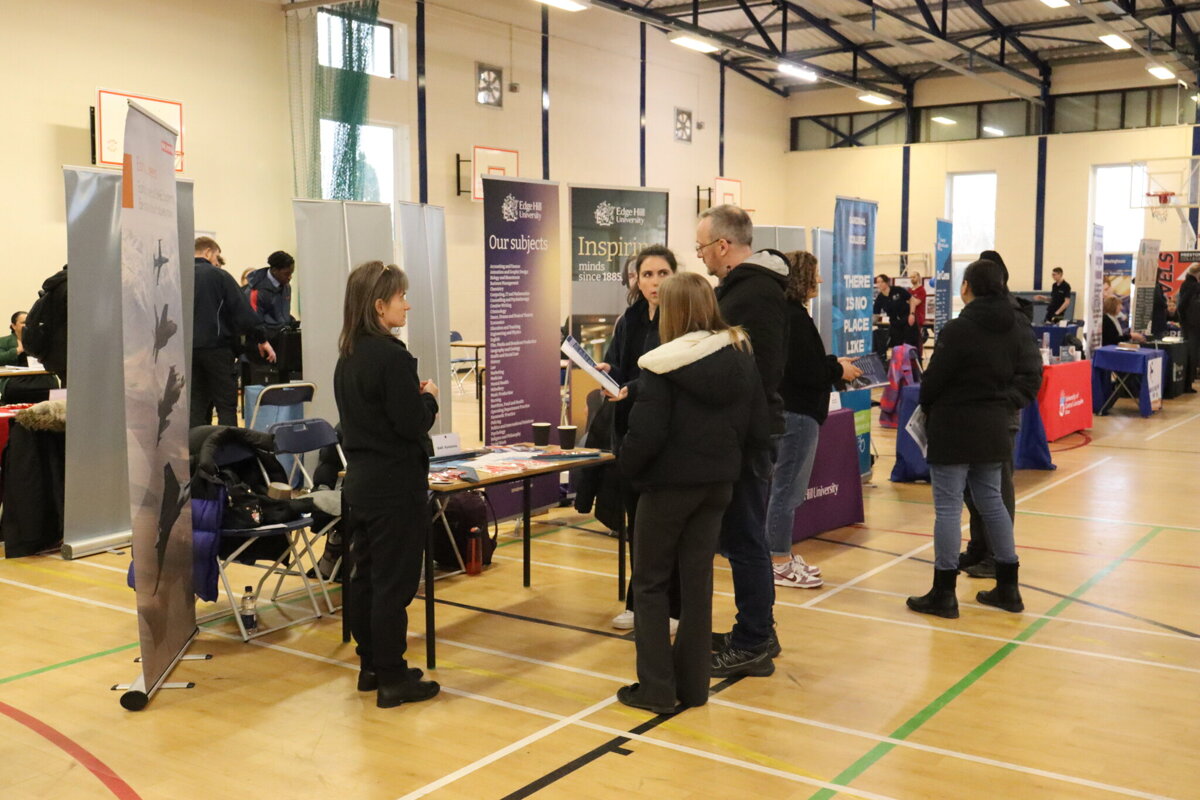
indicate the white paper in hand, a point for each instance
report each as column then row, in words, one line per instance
column 916, row 429
column 572, row 350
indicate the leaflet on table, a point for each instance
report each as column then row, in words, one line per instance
column 916, row 429
column 503, row 461
column 572, row 350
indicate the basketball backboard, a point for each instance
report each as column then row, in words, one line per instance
column 492, row 161
column 1170, row 182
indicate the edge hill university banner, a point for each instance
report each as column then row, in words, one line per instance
column 156, row 400
column 521, row 264
column 853, row 298
column 608, row 225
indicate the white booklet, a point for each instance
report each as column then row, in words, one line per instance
column 572, row 350
column 916, row 429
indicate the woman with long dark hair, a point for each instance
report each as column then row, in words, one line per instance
column 634, row 335
column 386, row 412
column 700, row 406
column 808, row 377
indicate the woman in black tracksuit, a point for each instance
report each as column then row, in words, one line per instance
column 386, row 411
column 634, row 335
column 699, row 409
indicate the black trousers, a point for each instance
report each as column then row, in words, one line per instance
column 387, row 549
column 1008, row 494
column 678, row 529
column 630, row 499
column 214, row 383
column 1193, row 359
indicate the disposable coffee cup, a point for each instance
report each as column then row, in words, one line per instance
column 566, row 437
column 541, row 434
column 279, row 491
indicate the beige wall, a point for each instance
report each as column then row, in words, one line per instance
column 232, row 82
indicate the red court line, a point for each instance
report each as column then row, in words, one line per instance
column 1086, row 441
column 94, row 765
column 1043, row 549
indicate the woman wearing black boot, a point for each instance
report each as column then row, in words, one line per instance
column 976, row 378
column 386, row 412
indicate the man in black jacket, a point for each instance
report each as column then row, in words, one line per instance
column 751, row 296
column 46, row 326
column 220, row 315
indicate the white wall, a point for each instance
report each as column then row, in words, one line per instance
column 224, row 59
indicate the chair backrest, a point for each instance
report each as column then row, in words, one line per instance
column 286, row 394
column 302, row 435
column 455, row 336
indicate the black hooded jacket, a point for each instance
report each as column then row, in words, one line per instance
column 985, row 366
column 699, row 411
column 752, row 297
column 220, row 312
column 46, row 325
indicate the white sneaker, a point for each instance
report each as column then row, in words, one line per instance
column 800, row 565
column 787, row 575
column 623, row 621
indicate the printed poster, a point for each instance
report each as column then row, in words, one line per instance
column 609, row 226
column 1096, row 290
column 943, row 291
column 853, row 275
column 156, row 399
column 1144, row 281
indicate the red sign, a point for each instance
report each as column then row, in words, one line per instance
column 1172, row 266
column 1065, row 399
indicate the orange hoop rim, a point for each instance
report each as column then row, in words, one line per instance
column 1163, row 197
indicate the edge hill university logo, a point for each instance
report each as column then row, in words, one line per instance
column 607, row 215
column 513, row 209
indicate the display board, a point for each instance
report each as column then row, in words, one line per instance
column 852, row 275
column 423, row 249
column 1118, row 279
column 1144, row 283
column 943, row 287
column 156, row 403
column 1095, row 293
column 822, row 306
column 521, row 276
column 1173, row 266
column 608, row 226
column 784, row 238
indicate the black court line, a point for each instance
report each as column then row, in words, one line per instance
column 1051, row 592
column 628, row 637
column 614, row 745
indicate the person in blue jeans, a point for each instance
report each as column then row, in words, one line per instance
column 809, row 374
column 975, row 380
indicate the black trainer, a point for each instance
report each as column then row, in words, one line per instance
column 984, row 568
column 368, row 681
column 391, row 695
column 733, row 663
column 721, row 641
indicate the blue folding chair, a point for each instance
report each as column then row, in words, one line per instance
column 298, row 438
column 296, row 393
column 456, row 364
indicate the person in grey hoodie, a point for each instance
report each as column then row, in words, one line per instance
column 751, row 296
column 698, row 413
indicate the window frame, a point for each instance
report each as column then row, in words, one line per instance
column 392, row 29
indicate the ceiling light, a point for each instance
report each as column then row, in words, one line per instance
column 566, row 5
column 1196, row 98
column 692, row 43
column 943, row 120
column 992, row 131
column 793, row 71
column 1116, row 41
column 1160, row 72
column 875, row 99
column 1056, row 3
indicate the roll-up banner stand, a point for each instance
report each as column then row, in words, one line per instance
column 853, row 267
column 156, row 401
column 1144, row 280
column 96, row 492
column 822, row 248
column 332, row 237
column 1095, row 290
column 943, row 290
column 783, row 238
column 521, row 274
column 422, row 249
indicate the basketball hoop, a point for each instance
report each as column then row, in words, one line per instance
column 1159, row 204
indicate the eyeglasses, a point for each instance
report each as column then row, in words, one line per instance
column 700, row 247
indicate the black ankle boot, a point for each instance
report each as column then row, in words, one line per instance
column 368, row 681
column 1007, row 594
column 941, row 600
column 393, row 694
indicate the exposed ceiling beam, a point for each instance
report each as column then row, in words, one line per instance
column 1188, row 64
column 824, row 27
column 727, row 42
column 1001, row 29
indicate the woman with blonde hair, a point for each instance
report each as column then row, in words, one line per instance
column 386, row 412
column 699, row 409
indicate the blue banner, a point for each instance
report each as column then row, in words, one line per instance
column 853, row 265
column 943, row 292
column 859, row 401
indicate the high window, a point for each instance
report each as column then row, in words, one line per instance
column 331, row 27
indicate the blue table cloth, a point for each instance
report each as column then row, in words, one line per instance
column 1107, row 360
column 1057, row 334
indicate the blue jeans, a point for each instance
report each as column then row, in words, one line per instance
column 744, row 542
column 949, row 480
column 795, row 452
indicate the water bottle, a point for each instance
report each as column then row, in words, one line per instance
column 475, row 553
column 248, row 610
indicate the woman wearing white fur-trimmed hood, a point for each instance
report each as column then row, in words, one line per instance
column 699, row 409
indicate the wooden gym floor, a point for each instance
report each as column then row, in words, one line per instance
column 1094, row 692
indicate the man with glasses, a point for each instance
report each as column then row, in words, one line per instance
column 750, row 295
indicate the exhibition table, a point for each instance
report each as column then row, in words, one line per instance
column 1065, row 398
column 1057, row 334
column 1174, row 367
column 834, row 497
column 1112, row 368
column 443, row 490
column 1030, row 448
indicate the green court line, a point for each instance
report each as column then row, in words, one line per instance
column 61, row 664
column 925, row 714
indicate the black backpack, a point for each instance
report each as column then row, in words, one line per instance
column 465, row 512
